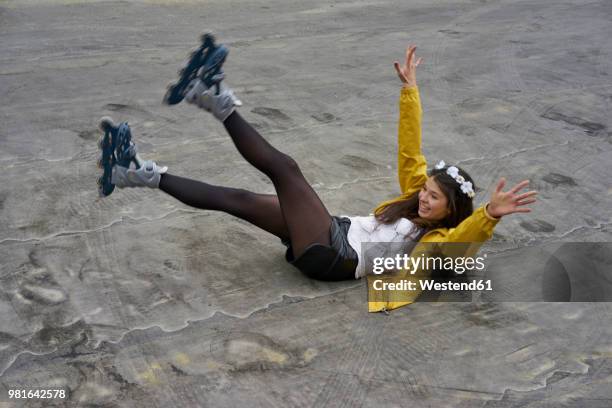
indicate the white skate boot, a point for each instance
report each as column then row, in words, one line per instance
column 122, row 166
column 221, row 104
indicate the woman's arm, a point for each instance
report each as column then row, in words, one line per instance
column 479, row 226
column 412, row 166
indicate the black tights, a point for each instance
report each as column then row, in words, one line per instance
column 295, row 213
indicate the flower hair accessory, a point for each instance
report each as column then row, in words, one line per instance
column 440, row 165
column 466, row 186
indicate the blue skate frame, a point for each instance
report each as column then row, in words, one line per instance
column 206, row 63
column 117, row 149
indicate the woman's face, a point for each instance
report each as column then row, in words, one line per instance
column 433, row 204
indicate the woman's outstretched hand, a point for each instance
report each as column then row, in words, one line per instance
column 504, row 203
column 407, row 72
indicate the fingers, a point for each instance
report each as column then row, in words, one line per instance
column 409, row 54
column 397, row 68
column 525, row 202
column 399, row 71
column 407, row 71
column 526, row 195
column 522, row 210
column 519, row 210
column 500, row 185
column 519, row 186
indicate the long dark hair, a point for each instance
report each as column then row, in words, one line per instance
column 459, row 204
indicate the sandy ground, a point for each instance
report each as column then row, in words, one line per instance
column 139, row 300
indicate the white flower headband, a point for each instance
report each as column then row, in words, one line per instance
column 466, row 186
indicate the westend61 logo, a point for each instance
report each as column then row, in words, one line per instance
column 412, row 264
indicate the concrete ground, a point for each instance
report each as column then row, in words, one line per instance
column 137, row 300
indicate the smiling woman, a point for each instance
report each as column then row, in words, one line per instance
column 444, row 200
column 433, row 203
column 434, row 207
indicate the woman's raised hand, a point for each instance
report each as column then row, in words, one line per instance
column 504, row 203
column 407, row 72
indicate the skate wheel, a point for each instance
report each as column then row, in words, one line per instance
column 207, row 36
column 106, row 123
column 172, row 97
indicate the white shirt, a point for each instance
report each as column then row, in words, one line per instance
column 368, row 229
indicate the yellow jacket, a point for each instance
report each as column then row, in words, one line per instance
column 412, row 171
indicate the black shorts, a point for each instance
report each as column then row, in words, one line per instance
column 336, row 262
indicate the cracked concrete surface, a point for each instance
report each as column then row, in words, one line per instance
column 138, row 300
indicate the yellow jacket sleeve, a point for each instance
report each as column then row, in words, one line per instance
column 411, row 164
column 412, row 175
column 478, row 227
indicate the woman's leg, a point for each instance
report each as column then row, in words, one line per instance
column 307, row 219
column 261, row 210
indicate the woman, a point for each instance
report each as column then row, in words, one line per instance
column 434, row 208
